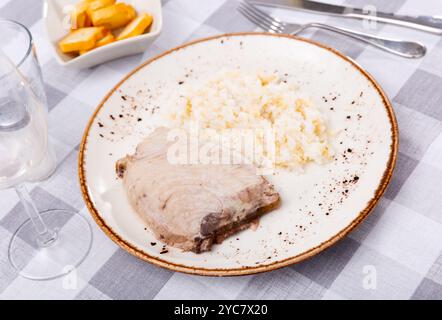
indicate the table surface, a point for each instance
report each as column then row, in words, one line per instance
column 394, row 254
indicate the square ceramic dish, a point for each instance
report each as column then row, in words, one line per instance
column 55, row 15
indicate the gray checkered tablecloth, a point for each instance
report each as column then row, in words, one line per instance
column 398, row 247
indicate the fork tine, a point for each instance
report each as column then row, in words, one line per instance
column 255, row 20
column 266, row 27
column 259, row 22
column 269, row 24
column 263, row 15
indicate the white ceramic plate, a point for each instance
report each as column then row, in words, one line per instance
column 55, row 15
column 319, row 206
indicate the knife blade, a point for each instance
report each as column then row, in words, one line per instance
column 431, row 24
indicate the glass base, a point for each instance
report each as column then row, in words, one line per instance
column 55, row 259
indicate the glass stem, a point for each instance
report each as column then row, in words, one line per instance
column 45, row 236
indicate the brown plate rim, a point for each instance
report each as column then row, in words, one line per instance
column 259, row 268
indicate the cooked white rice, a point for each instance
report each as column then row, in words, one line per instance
column 231, row 100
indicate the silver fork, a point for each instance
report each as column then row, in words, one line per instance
column 265, row 21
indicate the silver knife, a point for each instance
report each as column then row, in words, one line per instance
column 431, row 24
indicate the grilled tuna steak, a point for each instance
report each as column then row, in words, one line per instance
column 192, row 206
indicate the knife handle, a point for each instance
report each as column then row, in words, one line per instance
column 423, row 23
column 406, row 49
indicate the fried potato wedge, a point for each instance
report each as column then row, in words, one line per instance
column 136, row 26
column 114, row 16
column 109, row 38
column 81, row 39
column 79, row 16
column 93, row 5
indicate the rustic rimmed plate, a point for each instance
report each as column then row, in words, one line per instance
column 319, row 206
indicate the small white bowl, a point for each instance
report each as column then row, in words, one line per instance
column 55, row 13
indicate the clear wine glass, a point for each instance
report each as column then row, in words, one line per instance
column 18, row 45
column 52, row 243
